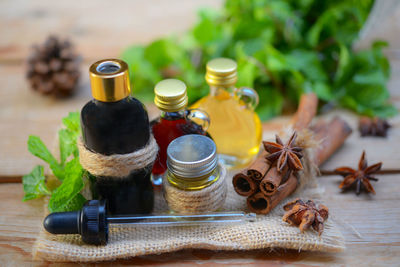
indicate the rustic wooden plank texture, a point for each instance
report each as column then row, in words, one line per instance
column 370, row 223
column 100, row 29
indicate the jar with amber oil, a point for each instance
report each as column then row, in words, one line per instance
column 235, row 128
column 194, row 182
column 175, row 120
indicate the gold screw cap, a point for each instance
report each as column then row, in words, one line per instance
column 221, row 72
column 170, row 95
column 109, row 79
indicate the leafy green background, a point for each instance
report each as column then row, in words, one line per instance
column 283, row 48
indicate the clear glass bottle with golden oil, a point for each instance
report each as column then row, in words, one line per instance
column 235, row 127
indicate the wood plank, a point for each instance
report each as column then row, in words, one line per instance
column 375, row 218
column 25, row 112
column 99, row 29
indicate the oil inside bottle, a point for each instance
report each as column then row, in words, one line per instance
column 236, row 130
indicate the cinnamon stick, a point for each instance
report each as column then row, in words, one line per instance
column 243, row 184
column 332, row 136
column 305, row 112
column 258, row 203
column 284, row 190
column 262, row 204
column 270, row 182
column 259, row 168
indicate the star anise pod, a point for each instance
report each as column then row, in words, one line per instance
column 284, row 154
column 359, row 177
column 373, row 127
column 306, row 214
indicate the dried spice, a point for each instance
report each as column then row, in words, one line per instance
column 259, row 167
column 285, row 154
column 373, row 126
column 359, row 177
column 306, row 214
column 53, row 68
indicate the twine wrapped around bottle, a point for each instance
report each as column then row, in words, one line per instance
column 117, row 165
column 208, row 199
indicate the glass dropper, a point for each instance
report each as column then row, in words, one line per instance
column 213, row 218
column 93, row 223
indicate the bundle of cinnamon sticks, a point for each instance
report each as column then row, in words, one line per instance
column 263, row 185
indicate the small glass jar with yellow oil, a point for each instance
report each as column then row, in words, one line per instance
column 195, row 181
column 235, row 127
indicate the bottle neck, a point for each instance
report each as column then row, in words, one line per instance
column 222, row 90
column 173, row 115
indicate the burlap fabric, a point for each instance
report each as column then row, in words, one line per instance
column 268, row 231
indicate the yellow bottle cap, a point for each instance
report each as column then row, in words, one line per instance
column 221, row 72
column 109, row 79
column 170, row 95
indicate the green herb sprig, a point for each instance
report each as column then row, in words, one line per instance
column 68, row 170
column 283, row 48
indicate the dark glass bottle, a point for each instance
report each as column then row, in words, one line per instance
column 116, row 123
column 175, row 121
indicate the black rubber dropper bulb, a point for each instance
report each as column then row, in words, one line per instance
column 92, row 222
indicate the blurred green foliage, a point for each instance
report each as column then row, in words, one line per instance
column 283, row 48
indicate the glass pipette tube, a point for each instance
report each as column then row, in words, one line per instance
column 155, row 220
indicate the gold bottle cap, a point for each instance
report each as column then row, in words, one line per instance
column 109, row 79
column 221, row 72
column 170, row 95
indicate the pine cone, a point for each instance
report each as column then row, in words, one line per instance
column 53, row 68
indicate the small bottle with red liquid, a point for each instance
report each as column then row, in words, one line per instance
column 175, row 121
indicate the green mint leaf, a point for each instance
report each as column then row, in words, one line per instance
column 206, row 31
column 248, row 71
column 76, row 203
column 272, row 103
column 67, row 192
column 72, row 122
column 143, row 74
column 323, row 91
column 39, row 149
column 34, row 184
column 308, row 63
column 162, row 53
column 344, row 68
column 386, row 111
column 67, row 142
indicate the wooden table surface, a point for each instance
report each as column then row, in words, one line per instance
column 370, row 224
